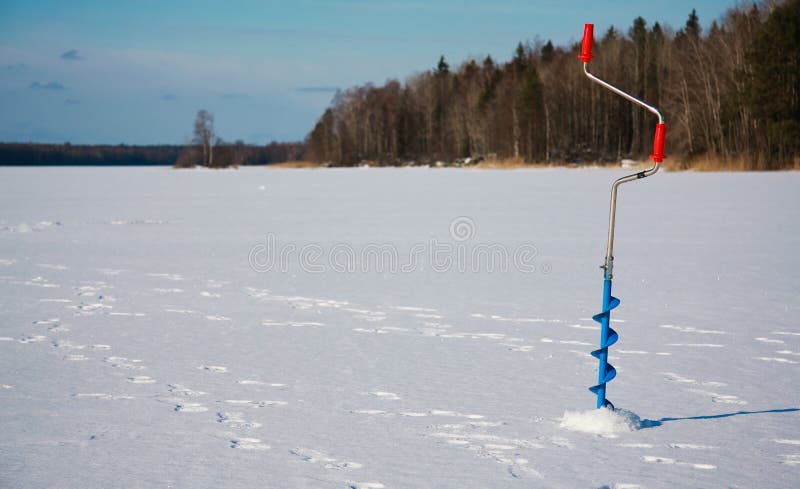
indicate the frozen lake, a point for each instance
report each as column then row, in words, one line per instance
column 342, row 328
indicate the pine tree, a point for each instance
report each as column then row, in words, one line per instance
column 547, row 52
column 442, row 68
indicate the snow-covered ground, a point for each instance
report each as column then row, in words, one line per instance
column 143, row 343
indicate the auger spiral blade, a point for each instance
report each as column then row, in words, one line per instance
column 606, row 371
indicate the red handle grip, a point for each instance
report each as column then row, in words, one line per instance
column 586, row 44
column 658, row 143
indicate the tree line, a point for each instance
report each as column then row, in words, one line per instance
column 730, row 94
column 74, row 154
column 226, row 154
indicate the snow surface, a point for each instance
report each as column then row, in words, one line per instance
column 138, row 348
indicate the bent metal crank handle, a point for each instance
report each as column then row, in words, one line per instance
column 658, row 143
column 586, row 56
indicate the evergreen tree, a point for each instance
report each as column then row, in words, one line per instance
column 442, row 68
column 547, row 52
column 693, row 25
column 520, row 59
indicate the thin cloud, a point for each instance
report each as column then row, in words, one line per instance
column 71, row 55
column 320, row 89
column 16, row 67
column 47, row 86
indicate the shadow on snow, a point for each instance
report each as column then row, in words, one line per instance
column 651, row 423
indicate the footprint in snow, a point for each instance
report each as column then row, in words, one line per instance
column 37, row 338
column 183, row 391
column 258, row 382
column 124, row 363
column 690, row 446
column 92, row 289
column 218, row 318
column 671, row 461
column 255, row 404
column 213, row 368
column 690, row 329
column 141, row 379
column 180, row 311
column 673, row 377
column 104, row 396
column 791, row 459
column 128, row 314
column 786, row 441
column 68, row 345
column 168, row 276
column 249, row 444
column 365, row 485
column 93, row 309
column 110, row 271
column 190, row 407
column 236, row 420
column 720, row 398
column 47, row 321
column 429, row 316
column 770, row 340
column 369, row 330
column 75, row 358
column 389, row 396
column 777, row 360
column 216, row 284
column 317, row 457
column 294, row 324
column 413, row 309
column 366, row 315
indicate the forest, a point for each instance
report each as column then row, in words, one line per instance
column 730, row 95
column 230, row 154
column 74, row 154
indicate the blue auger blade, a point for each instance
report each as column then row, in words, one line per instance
column 606, row 371
column 610, row 340
column 611, row 372
column 611, row 306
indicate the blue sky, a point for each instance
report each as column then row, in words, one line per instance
column 137, row 72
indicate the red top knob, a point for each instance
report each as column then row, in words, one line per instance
column 586, row 44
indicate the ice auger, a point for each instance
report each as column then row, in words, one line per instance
column 606, row 372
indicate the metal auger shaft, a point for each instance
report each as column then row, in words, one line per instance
column 606, row 372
